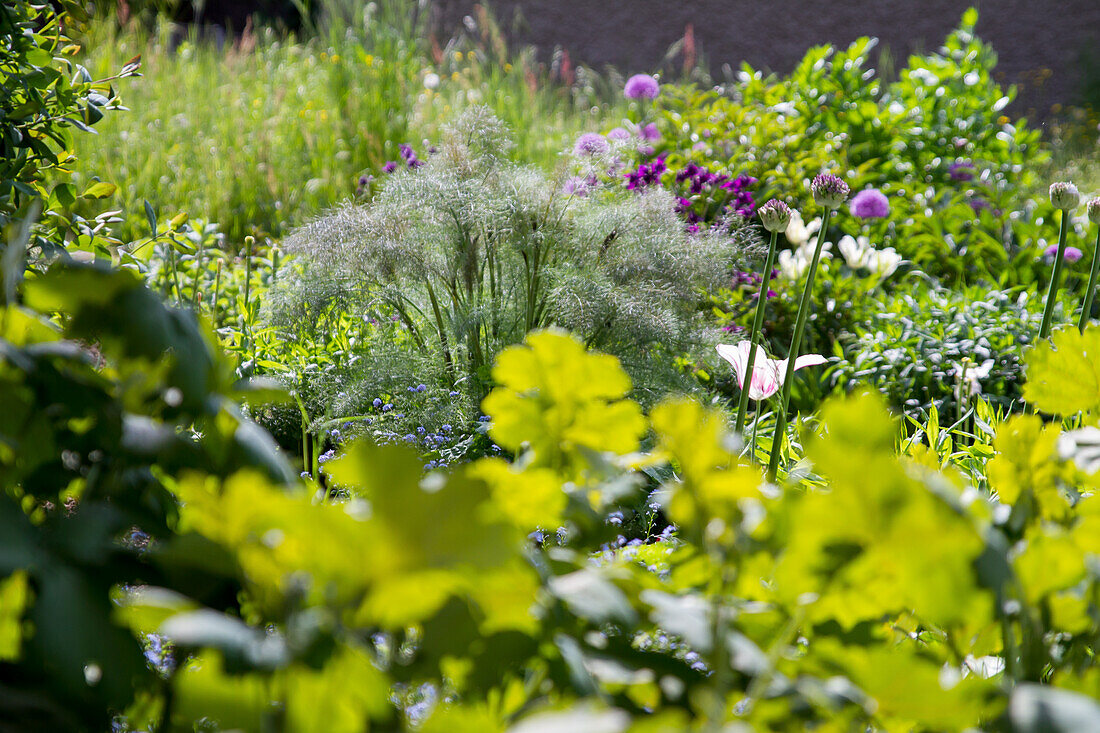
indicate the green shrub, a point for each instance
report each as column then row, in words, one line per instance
column 44, row 96
column 934, row 141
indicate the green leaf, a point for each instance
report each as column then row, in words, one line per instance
column 1064, row 376
column 13, row 601
column 65, row 194
column 151, row 217
column 555, row 398
column 99, row 190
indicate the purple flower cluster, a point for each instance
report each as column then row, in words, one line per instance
column 408, row 156
column 752, row 281
column 647, row 174
column 741, row 199
column 703, row 185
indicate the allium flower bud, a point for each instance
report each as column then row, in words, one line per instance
column 775, row 215
column 829, row 191
column 1064, row 195
column 1093, row 208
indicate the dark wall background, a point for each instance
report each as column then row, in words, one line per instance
column 1041, row 43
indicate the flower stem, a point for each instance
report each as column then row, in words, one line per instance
column 792, row 355
column 1086, row 309
column 1052, row 293
column 758, row 321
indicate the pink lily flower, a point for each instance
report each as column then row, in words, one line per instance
column 767, row 374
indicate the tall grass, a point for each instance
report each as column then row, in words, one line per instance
column 265, row 133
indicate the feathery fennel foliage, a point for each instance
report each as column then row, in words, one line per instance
column 470, row 252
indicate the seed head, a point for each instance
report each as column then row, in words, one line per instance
column 829, row 191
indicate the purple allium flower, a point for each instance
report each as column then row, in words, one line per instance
column 870, row 204
column 775, row 215
column 961, row 170
column 641, row 85
column 1071, row 255
column 828, row 190
column 618, row 133
column 389, row 167
column 650, row 133
column 591, row 143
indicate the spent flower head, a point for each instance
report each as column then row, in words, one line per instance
column 828, row 190
column 1064, row 195
column 1093, row 209
column 775, row 215
column 870, row 204
column 641, row 85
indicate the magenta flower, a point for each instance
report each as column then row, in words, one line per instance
column 767, row 374
column 591, row 143
column 641, row 85
column 870, row 204
column 1071, row 255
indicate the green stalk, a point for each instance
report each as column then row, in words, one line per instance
column 757, row 322
column 217, row 289
column 248, row 242
column 792, row 355
column 1052, row 292
column 196, row 289
column 443, row 345
column 1086, row 309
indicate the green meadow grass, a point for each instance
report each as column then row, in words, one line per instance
column 267, row 132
